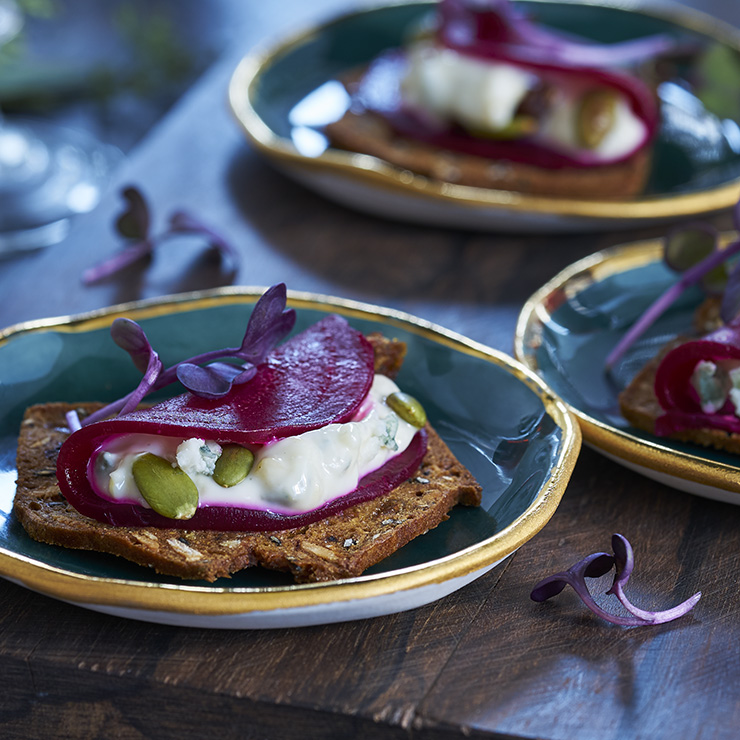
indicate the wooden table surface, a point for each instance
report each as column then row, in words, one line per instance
column 485, row 662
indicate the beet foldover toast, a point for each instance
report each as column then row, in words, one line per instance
column 665, row 396
column 339, row 546
column 481, row 95
column 368, row 133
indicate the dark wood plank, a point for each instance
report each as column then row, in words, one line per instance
column 553, row 670
column 354, row 679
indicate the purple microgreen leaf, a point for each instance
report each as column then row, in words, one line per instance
column 247, row 373
column 203, row 374
column 183, row 222
column 624, row 558
column 691, row 277
column 134, row 222
column 128, row 335
column 597, row 565
column 593, row 566
column 134, row 225
column 269, row 323
column 212, row 381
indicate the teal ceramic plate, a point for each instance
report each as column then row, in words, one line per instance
column 516, row 437
column 284, row 94
column 564, row 334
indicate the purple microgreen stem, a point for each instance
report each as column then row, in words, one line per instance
column 148, row 381
column 691, row 277
column 73, row 420
column 597, row 565
column 624, row 561
column 132, row 253
column 182, row 222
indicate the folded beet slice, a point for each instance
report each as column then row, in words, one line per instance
column 674, row 390
column 318, row 377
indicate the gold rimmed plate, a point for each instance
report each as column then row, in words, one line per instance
column 284, row 95
column 567, row 329
column 503, row 423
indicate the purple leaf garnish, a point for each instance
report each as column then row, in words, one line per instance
column 204, row 375
column 134, row 225
column 130, row 336
column 597, row 565
column 134, row 222
column 214, row 380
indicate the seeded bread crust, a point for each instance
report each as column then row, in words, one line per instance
column 340, row 546
column 368, row 133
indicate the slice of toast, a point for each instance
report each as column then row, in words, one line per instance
column 366, row 132
column 340, row 546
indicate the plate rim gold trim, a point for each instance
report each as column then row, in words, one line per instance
column 647, row 453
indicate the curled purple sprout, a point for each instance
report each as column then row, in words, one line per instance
column 204, row 375
column 597, row 565
column 692, row 276
column 134, row 224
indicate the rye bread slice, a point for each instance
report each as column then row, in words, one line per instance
column 340, row 546
column 366, row 132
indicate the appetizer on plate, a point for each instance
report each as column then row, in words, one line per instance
column 690, row 390
column 305, row 457
column 485, row 97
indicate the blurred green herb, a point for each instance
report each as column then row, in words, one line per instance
column 157, row 62
column 718, row 80
column 160, row 57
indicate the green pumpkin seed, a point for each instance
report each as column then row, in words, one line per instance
column 169, row 491
column 233, row 465
column 408, row 408
column 596, row 115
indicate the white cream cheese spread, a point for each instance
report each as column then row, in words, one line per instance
column 484, row 96
column 475, row 93
column 716, row 383
column 293, row 474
